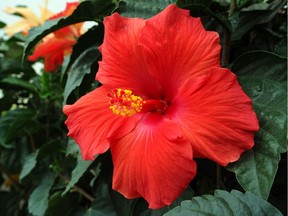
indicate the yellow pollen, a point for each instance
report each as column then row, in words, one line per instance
column 124, row 103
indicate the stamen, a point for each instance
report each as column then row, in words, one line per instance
column 124, row 103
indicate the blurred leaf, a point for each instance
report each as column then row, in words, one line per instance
column 248, row 19
column 245, row 3
column 16, row 123
column 62, row 205
column 86, row 11
column 256, row 6
column 38, row 200
column 143, row 9
column 101, row 207
column 225, row 203
column 2, row 24
column 122, row 205
column 193, row 3
column 7, row 99
column 80, row 168
column 281, row 47
column 263, row 76
column 29, row 163
column 9, row 203
column 49, row 148
column 13, row 157
column 10, row 66
column 79, row 69
column 19, row 83
column 234, row 20
column 15, row 44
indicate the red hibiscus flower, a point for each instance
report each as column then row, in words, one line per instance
column 164, row 101
column 58, row 44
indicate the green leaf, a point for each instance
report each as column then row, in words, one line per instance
column 248, row 19
column 79, row 69
column 19, row 83
column 72, row 147
column 225, row 203
column 86, row 11
column 80, row 168
column 263, row 76
column 30, row 161
column 16, row 123
column 143, row 9
column 38, row 200
column 29, row 164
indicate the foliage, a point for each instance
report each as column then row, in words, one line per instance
column 42, row 172
column 225, row 203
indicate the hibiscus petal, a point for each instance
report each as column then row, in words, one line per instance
column 69, row 9
column 152, row 161
column 26, row 13
column 44, row 13
column 20, row 26
column 122, row 63
column 177, row 47
column 90, row 122
column 27, row 22
column 52, row 50
column 216, row 116
column 69, row 31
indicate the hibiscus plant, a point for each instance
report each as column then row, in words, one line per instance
column 163, row 107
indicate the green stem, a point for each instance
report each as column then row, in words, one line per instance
column 227, row 37
column 226, row 47
column 218, row 176
column 233, row 5
column 84, row 193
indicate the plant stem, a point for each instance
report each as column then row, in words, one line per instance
column 227, row 37
column 218, row 176
column 226, row 47
column 84, row 193
column 233, row 5
column 78, row 189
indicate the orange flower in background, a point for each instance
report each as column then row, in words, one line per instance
column 29, row 19
column 164, row 101
column 58, row 44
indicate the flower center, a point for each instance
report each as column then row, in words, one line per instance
column 124, row 103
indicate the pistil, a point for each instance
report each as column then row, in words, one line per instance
column 124, row 103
